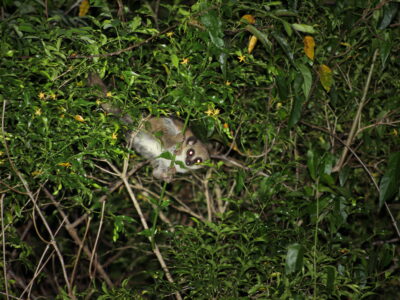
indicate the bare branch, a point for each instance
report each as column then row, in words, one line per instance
column 357, row 118
column 4, row 244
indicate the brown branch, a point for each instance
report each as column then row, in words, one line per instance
column 103, row 207
column 11, row 188
column 357, row 118
column 40, row 266
column 376, row 125
column 78, row 256
column 183, row 208
column 131, row 47
column 156, row 250
column 4, row 244
column 72, row 232
column 207, row 194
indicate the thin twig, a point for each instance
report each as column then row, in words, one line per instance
column 4, row 244
column 19, row 281
column 105, row 170
column 207, row 194
column 183, row 208
column 137, row 45
column 78, row 255
column 163, row 217
column 103, row 207
column 72, row 232
column 13, row 297
column 29, row 287
column 376, row 125
column 236, row 163
column 72, row 7
column 40, row 266
column 156, row 249
column 11, row 188
column 357, row 118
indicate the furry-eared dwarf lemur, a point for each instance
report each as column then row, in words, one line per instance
column 160, row 135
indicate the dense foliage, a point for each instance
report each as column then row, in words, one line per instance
column 300, row 199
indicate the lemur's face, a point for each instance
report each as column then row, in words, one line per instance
column 195, row 153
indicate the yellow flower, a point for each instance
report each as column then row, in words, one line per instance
column 249, row 18
column 98, row 101
column 252, row 43
column 241, row 58
column 42, row 95
column 228, row 83
column 169, row 34
column 38, row 112
column 114, row 136
column 84, row 8
column 36, row 173
column 278, row 105
column 185, row 61
column 79, row 118
column 65, row 164
column 212, row 112
column 233, row 145
column 53, row 96
column 109, row 94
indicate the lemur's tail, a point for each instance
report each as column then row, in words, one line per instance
column 94, row 80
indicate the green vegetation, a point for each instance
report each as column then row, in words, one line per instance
column 304, row 205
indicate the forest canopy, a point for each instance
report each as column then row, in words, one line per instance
column 297, row 103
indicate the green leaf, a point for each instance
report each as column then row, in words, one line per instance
column 135, row 23
column 285, row 46
column 389, row 185
column 304, row 28
column 167, row 155
column 288, row 28
column 148, row 232
column 344, row 175
column 389, row 12
column 330, row 278
column 240, row 181
column 307, row 80
column 385, row 47
column 312, row 168
column 213, row 24
column 222, row 58
column 282, row 86
column 295, row 113
column 294, row 258
column 175, row 60
column 262, row 37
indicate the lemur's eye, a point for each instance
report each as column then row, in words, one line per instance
column 198, row 160
column 190, row 152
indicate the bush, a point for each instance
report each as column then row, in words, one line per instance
column 298, row 101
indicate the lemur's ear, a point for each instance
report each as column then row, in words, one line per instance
column 191, row 140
